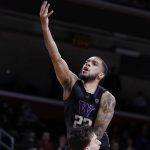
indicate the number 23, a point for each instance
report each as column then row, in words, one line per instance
column 80, row 119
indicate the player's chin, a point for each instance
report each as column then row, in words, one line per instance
column 85, row 73
column 82, row 76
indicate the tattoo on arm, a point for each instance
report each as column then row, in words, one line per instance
column 105, row 114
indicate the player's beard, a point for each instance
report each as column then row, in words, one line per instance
column 88, row 78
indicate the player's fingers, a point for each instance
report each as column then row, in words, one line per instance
column 47, row 6
column 50, row 13
column 43, row 7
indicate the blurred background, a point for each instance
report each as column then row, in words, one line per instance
column 31, row 106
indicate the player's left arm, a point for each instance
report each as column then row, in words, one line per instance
column 105, row 113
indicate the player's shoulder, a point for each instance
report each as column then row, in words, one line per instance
column 107, row 95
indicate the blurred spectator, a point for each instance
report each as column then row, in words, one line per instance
column 115, row 145
column 62, row 142
column 28, row 118
column 130, row 144
column 45, row 142
column 29, row 142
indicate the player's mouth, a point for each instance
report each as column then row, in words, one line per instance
column 85, row 69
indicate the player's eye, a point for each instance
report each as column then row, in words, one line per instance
column 95, row 63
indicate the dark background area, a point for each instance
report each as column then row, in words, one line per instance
column 91, row 13
column 81, row 28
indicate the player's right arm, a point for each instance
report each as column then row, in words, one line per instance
column 64, row 75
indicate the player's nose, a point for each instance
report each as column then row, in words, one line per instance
column 88, row 64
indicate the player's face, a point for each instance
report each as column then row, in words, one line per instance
column 94, row 144
column 92, row 69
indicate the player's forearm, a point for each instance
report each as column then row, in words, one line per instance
column 99, row 130
column 102, row 122
column 50, row 44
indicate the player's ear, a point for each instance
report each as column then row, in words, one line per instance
column 101, row 75
column 86, row 148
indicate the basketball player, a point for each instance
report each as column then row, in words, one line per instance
column 85, row 102
column 83, row 138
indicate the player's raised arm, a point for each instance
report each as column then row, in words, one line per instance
column 64, row 75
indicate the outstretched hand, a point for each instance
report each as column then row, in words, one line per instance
column 44, row 13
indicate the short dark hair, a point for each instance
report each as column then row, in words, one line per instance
column 80, row 137
column 105, row 67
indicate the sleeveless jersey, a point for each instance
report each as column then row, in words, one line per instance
column 81, row 107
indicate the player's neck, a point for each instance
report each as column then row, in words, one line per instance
column 90, row 87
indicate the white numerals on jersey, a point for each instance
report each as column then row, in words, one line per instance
column 79, row 120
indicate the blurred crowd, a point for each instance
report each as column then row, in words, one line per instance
column 32, row 132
